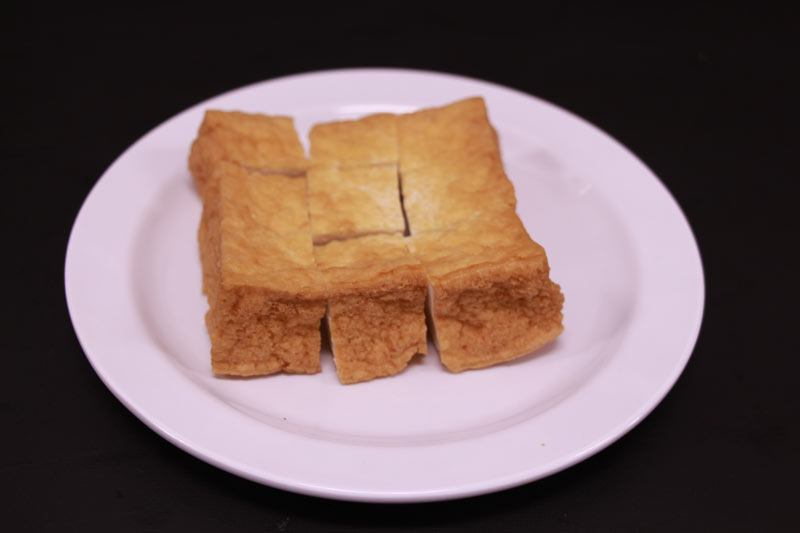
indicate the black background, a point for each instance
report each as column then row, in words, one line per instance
column 705, row 96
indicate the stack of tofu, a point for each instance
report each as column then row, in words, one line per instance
column 390, row 211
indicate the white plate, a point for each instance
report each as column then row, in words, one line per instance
column 617, row 242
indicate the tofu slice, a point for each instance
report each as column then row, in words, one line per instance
column 456, row 132
column 376, row 305
column 353, row 202
column 266, row 295
column 450, row 166
column 490, row 298
column 261, row 143
column 275, row 204
column 438, row 196
column 368, row 141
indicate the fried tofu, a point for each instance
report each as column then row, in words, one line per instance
column 376, row 305
column 261, row 143
column 450, row 166
column 437, row 196
column 353, row 184
column 368, row 141
column 456, row 132
column 353, row 202
column 285, row 240
column 266, row 295
column 490, row 295
column 280, row 208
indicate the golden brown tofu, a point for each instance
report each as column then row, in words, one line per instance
column 353, row 202
column 262, row 143
column 266, row 295
column 369, row 141
column 268, row 309
column 455, row 132
column 450, row 166
column 376, row 306
column 437, row 196
column 284, row 240
column 490, row 296
column 278, row 208
column 273, row 203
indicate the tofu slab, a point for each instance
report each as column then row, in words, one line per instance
column 376, row 305
column 490, row 296
column 368, row 141
column 262, row 143
column 285, row 240
column 438, row 196
column 275, row 204
column 455, row 132
column 266, row 295
column 353, row 202
column 450, row 166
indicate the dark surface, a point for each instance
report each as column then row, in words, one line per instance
column 706, row 97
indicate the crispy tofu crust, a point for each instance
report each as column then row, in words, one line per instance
column 266, row 296
column 376, row 305
column 437, row 196
column 455, row 132
column 450, row 166
column 369, row 141
column 273, row 203
column 262, row 143
column 353, row 202
column 490, row 297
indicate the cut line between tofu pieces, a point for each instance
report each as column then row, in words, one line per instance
column 390, row 217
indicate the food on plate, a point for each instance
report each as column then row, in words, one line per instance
column 266, row 296
column 284, row 241
column 450, row 165
column 376, row 305
column 261, row 143
column 376, row 298
column 279, row 208
column 353, row 202
column 437, row 196
column 459, row 131
column 352, row 183
column 368, row 141
column 491, row 298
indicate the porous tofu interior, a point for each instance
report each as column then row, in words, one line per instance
column 376, row 335
column 253, row 332
column 491, row 297
column 495, row 319
column 375, row 305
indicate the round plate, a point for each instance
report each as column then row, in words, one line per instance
column 617, row 242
